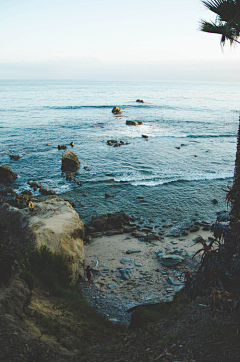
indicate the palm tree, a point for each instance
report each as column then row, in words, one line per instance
column 227, row 24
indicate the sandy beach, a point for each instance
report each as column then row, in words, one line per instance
column 149, row 280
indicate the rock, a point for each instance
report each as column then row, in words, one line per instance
column 131, row 251
column 117, row 145
column 72, row 144
column 112, row 286
column 87, row 168
column 170, row 259
column 62, row 147
column 117, row 110
column 55, row 224
column 126, row 260
column 70, row 161
column 46, row 192
column 99, row 222
column 129, row 229
column 194, row 229
column 125, row 273
column 170, row 281
column 108, row 195
column 34, row 184
column 144, row 136
column 141, row 197
column 140, row 101
column 134, row 123
column 215, row 201
column 114, row 232
column 8, row 191
column 6, row 174
column 15, row 157
column 69, row 176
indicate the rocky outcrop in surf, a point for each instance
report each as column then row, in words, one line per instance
column 70, row 161
column 6, row 174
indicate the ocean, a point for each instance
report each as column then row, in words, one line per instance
column 186, row 161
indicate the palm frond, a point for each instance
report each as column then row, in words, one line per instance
column 225, row 9
column 225, row 30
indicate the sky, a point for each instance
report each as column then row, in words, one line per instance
column 112, row 40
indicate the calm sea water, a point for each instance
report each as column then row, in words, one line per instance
column 177, row 183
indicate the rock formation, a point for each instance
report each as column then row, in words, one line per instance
column 117, row 110
column 55, row 224
column 134, row 123
column 70, row 161
column 6, row 174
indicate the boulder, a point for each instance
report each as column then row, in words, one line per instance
column 62, row 147
column 6, row 174
column 15, row 157
column 134, row 123
column 55, row 224
column 139, row 101
column 144, row 136
column 170, row 260
column 72, row 144
column 70, row 161
column 117, row 110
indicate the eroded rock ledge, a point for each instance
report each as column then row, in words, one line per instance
column 55, row 224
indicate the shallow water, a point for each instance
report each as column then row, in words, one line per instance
column 185, row 162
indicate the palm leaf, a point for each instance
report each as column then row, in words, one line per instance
column 225, row 9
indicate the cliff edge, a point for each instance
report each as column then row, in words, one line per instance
column 55, row 223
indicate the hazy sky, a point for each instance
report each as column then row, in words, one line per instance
column 112, row 39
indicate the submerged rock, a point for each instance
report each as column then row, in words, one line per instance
column 134, row 123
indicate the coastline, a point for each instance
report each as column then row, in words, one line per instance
column 150, row 281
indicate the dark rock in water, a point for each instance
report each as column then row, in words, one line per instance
column 86, row 168
column 6, row 174
column 34, row 184
column 108, row 195
column 144, row 136
column 69, row 176
column 8, row 191
column 46, row 192
column 15, row 157
column 62, row 147
column 72, row 144
column 99, row 222
column 140, row 101
column 27, row 192
column 70, row 161
column 117, row 110
column 134, row 123
column 215, row 201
